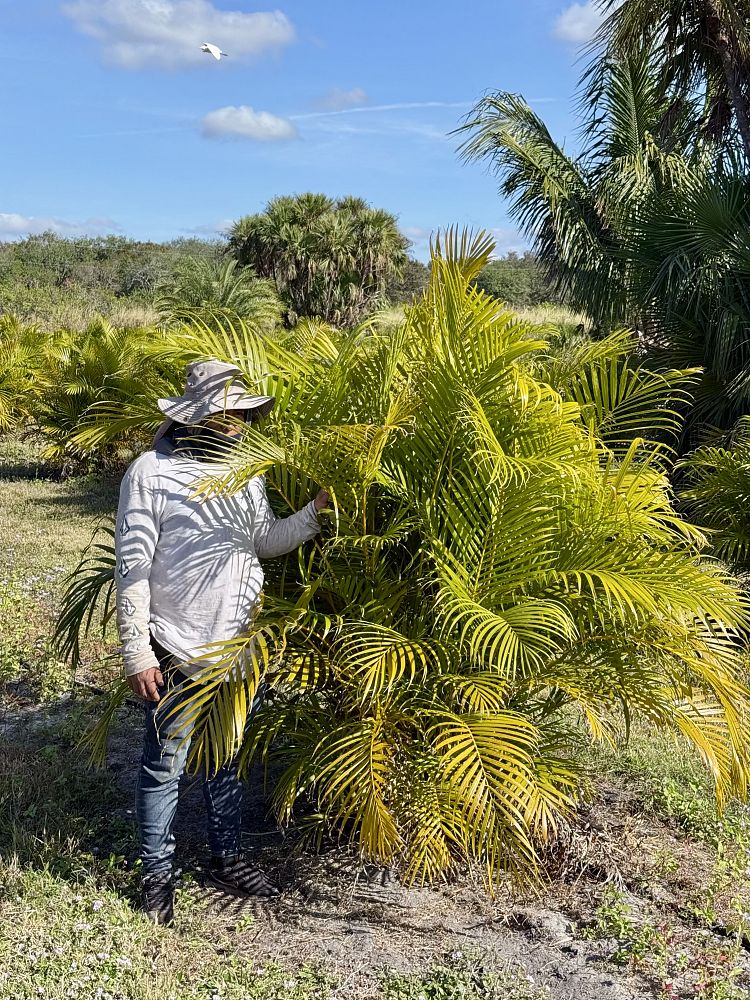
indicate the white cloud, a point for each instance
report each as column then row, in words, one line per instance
column 169, row 33
column 244, row 123
column 210, row 230
column 338, row 99
column 417, row 234
column 578, row 23
column 15, row 226
column 507, row 240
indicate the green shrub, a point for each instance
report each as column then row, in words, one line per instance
column 500, row 559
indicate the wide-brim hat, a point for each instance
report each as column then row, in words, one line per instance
column 212, row 387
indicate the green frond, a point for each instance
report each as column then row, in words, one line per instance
column 89, row 589
column 501, row 579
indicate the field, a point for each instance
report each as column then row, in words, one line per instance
column 646, row 894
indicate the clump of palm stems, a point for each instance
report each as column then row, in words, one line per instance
column 502, row 578
column 332, row 259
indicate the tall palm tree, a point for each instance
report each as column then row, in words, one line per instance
column 644, row 228
column 498, row 586
column 330, row 259
column 701, row 46
column 576, row 210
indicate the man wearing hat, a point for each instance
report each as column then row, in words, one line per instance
column 188, row 574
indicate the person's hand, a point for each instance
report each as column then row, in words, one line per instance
column 146, row 684
column 322, row 500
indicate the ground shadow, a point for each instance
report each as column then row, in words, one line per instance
column 89, row 496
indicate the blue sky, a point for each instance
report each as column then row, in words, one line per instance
column 117, row 122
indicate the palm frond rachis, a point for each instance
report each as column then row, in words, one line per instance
column 492, row 573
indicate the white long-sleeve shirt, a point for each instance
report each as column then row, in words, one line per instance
column 188, row 569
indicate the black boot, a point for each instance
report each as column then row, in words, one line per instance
column 158, row 897
column 235, row 875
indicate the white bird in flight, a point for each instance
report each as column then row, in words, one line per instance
column 213, row 50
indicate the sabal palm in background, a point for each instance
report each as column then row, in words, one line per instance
column 577, row 210
column 496, row 587
column 331, row 259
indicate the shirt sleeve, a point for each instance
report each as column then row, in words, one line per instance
column 275, row 536
column 136, row 533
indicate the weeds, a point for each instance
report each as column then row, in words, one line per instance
column 702, row 967
column 462, row 977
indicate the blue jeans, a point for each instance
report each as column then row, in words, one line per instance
column 162, row 765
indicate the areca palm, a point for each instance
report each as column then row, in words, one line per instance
column 205, row 286
column 703, row 47
column 495, row 587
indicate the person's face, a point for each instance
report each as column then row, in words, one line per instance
column 230, row 422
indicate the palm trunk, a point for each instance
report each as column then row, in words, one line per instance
column 738, row 95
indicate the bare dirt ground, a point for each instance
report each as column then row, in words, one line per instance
column 357, row 919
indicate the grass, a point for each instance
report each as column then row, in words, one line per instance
column 53, row 308
column 44, row 526
column 66, row 941
column 673, row 784
column 462, row 977
column 69, row 924
column 549, row 314
column 70, row 928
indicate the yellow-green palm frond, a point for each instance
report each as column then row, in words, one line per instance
column 502, row 578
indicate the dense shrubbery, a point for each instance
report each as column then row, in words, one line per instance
column 518, row 280
column 58, row 282
column 111, row 264
column 504, row 579
column 70, row 282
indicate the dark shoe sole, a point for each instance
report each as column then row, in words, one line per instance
column 214, row 879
